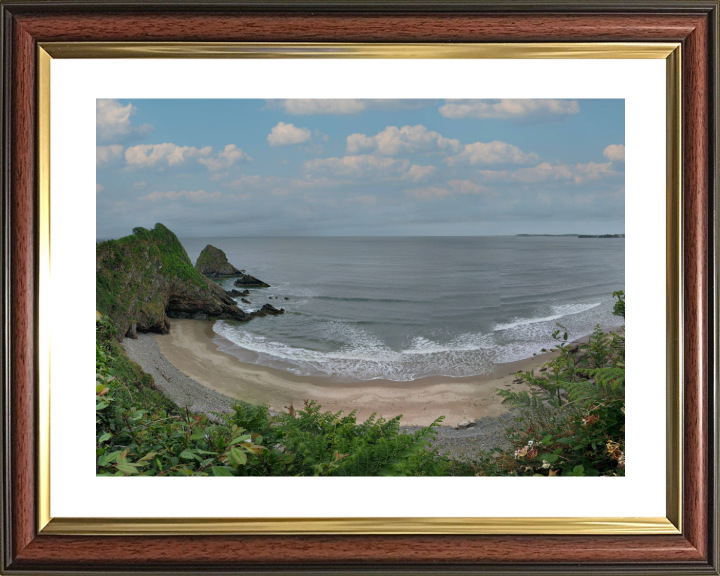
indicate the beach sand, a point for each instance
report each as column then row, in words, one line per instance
column 190, row 348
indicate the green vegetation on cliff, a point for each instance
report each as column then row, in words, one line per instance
column 570, row 423
column 143, row 278
column 140, row 432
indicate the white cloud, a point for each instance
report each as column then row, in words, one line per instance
column 195, row 196
column 286, row 134
column 225, row 159
column 408, row 139
column 495, row 152
column 615, row 152
column 98, row 188
column 363, row 165
column 577, row 173
column 417, row 173
column 510, row 109
column 139, row 184
column 107, row 155
column 112, row 121
column 166, row 154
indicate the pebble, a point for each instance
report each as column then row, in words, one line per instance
column 465, row 444
column 184, row 391
column 488, row 433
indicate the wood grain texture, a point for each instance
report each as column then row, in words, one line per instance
column 358, row 28
column 357, row 550
column 696, row 190
column 22, row 289
column 688, row 552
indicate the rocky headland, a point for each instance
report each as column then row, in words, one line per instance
column 147, row 277
column 213, row 263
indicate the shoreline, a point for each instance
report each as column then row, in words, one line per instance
column 189, row 347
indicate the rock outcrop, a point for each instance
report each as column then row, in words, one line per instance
column 145, row 278
column 237, row 293
column 245, row 280
column 269, row 309
column 213, row 263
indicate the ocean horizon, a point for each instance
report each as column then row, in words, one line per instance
column 401, row 308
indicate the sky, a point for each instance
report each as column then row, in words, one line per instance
column 234, row 168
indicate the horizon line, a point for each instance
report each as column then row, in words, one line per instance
column 396, row 236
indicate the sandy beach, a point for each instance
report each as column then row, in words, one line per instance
column 190, row 348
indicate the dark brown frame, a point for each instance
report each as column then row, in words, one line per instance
column 694, row 23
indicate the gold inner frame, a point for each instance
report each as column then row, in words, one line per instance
column 671, row 524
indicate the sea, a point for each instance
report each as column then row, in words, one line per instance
column 403, row 308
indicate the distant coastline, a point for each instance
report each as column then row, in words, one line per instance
column 572, row 235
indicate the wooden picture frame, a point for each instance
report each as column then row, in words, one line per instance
column 31, row 545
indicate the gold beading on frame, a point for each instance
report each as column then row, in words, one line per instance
column 168, row 526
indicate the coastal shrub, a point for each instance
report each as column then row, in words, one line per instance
column 572, row 419
column 330, row 444
column 619, row 308
column 139, row 431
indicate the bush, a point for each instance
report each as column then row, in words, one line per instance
column 572, row 421
column 141, row 432
column 619, row 308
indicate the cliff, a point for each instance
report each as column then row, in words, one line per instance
column 144, row 278
column 213, row 263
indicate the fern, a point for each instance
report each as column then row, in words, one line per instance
column 330, row 444
column 572, row 417
column 606, row 384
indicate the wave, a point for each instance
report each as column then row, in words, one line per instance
column 360, row 354
column 364, row 357
column 558, row 312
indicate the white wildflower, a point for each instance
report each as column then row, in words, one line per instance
column 546, row 464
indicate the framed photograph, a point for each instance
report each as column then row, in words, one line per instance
column 359, row 279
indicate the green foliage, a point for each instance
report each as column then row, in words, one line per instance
column 619, row 308
column 127, row 270
column 140, row 432
column 328, row 444
column 579, row 376
column 124, row 368
column 572, row 419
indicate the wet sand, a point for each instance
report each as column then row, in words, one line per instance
column 190, row 348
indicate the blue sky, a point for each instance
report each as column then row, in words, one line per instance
column 229, row 168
